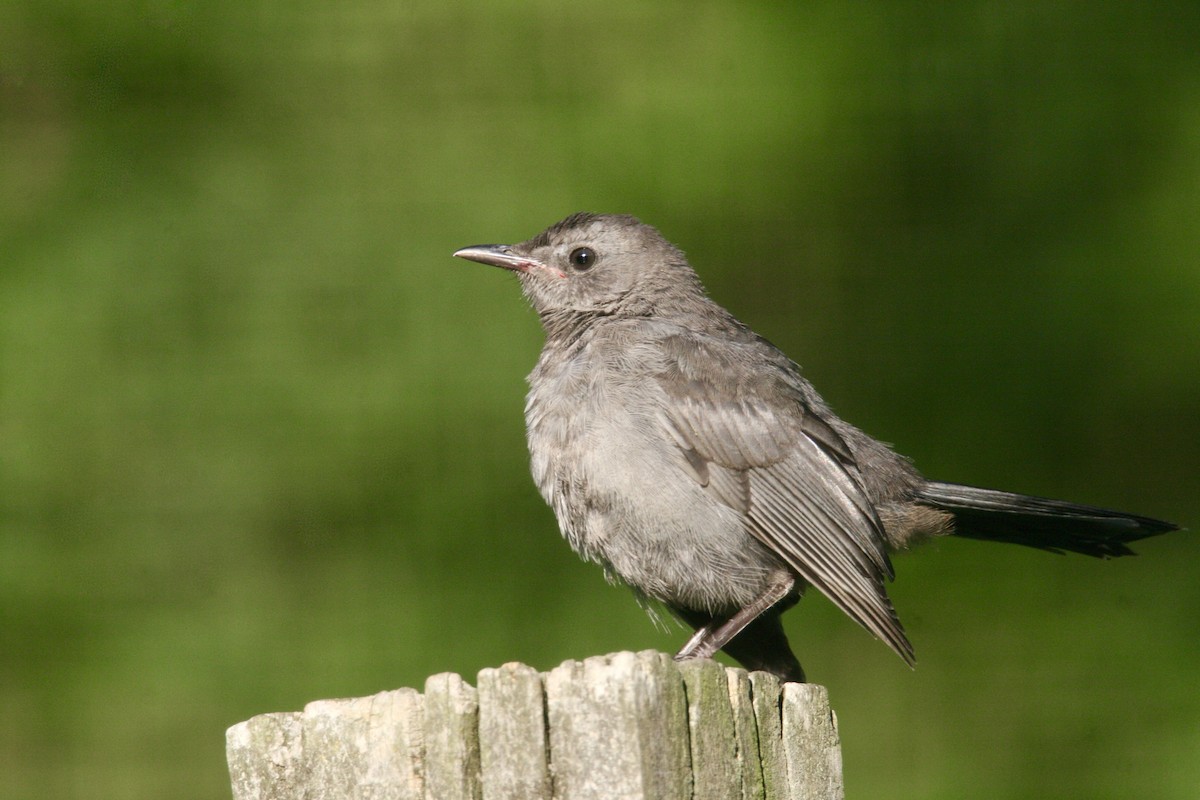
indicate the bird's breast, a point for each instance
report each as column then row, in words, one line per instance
column 624, row 494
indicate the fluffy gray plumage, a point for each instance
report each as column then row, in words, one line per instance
column 690, row 457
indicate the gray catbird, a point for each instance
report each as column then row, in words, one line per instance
column 690, row 458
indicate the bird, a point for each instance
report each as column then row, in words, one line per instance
column 691, row 459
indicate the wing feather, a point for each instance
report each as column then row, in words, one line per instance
column 763, row 451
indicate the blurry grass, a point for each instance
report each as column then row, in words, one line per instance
column 260, row 436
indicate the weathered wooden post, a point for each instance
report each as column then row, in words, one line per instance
column 627, row 726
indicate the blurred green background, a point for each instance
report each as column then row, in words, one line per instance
column 261, row 436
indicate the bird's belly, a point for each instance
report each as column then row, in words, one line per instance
column 625, row 498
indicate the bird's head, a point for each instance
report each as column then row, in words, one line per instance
column 594, row 264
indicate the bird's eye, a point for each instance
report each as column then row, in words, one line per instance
column 582, row 258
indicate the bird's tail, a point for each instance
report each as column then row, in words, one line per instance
column 1053, row 525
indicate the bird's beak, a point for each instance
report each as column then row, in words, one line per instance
column 498, row 255
column 502, row 255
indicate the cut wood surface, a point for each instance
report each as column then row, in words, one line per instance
column 626, row 725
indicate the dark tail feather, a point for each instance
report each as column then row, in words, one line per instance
column 1052, row 525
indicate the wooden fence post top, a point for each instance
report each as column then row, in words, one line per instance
column 626, row 725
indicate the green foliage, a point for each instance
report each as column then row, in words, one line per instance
column 260, row 436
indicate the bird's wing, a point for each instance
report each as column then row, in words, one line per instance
column 757, row 446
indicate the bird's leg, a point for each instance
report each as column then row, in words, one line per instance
column 710, row 638
column 704, row 631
